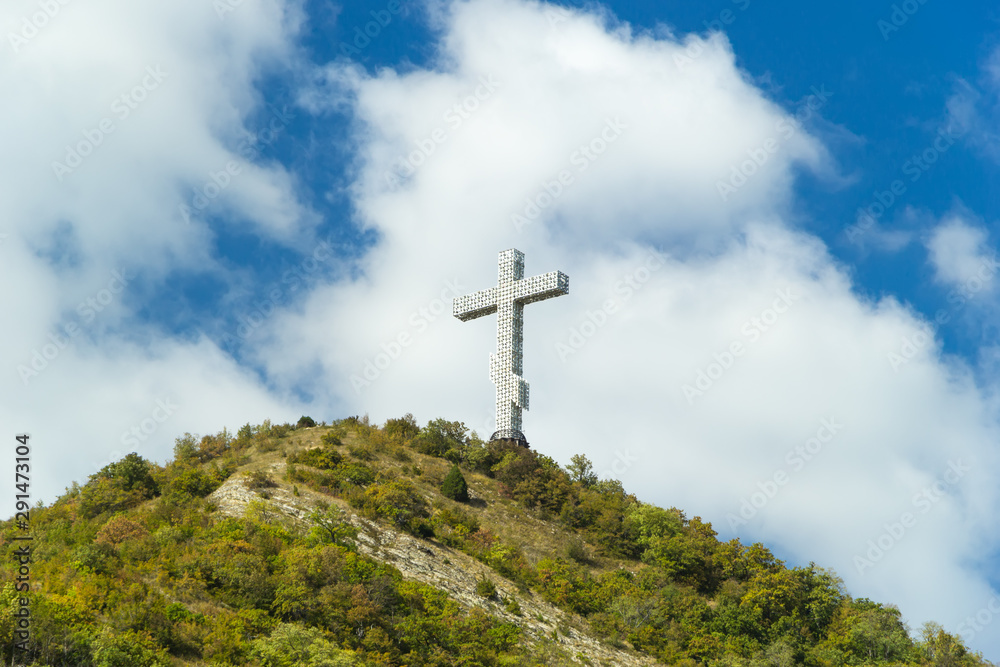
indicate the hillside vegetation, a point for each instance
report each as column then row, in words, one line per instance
column 283, row 545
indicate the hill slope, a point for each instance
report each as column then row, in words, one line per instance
column 333, row 545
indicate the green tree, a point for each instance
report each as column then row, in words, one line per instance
column 245, row 434
column 454, row 485
column 440, row 436
column 132, row 473
column 196, row 482
column 305, row 422
column 295, row 645
column 398, row 501
column 684, row 549
column 866, row 631
column 329, row 526
column 942, row 649
column 405, row 428
column 485, row 588
column 185, row 448
column 118, row 486
column 582, row 470
column 128, row 649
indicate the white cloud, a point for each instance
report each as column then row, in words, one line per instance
column 688, row 117
column 140, row 102
column 960, row 253
column 972, row 109
column 872, row 366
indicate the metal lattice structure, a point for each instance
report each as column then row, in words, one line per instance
column 507, row 300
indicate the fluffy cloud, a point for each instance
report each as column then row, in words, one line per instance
column 554, row 132
column 972, row 108
column 116, row 113
column 697, row 372
column 705, row 346
column 959, row 252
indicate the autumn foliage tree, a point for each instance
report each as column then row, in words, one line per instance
column 137, row 567
column 119, row 529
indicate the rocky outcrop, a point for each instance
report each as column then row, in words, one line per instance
column 449, row 570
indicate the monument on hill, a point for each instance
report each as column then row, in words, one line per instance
column 507, row 300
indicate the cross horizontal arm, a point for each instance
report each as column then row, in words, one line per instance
column 539, row 288
column 477, row 304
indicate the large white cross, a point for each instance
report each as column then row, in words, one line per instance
column 507, row 300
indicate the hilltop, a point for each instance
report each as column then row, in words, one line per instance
column 330, row 545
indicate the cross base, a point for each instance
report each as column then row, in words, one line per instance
column 510, row 435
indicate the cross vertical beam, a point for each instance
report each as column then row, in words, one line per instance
column 507, row 300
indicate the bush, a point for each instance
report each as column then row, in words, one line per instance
column 353, row 473
column 578, row 552
column 485, row 588
column 105, row 495
column 259, row 479
column 131, row 473
column 245, row 434
column 178, row 613
column 119, row 529
column 324, row 459
column 196, row 482
column 397, row 501
column 512, row 606
column 454, row 485
column 294, row 645
column 96, row 557
column 330, row 438
column 456, row 518
column 360, row 452
column 402, row 429
column 118, row 486
column 128, row 649
column 185, row 448
column 329, row 526
column 305, row 422
column 440, row 436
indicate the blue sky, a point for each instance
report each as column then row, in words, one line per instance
column 888, row 88
column 221, row 213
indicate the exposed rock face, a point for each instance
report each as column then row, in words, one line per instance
column 424, row 561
